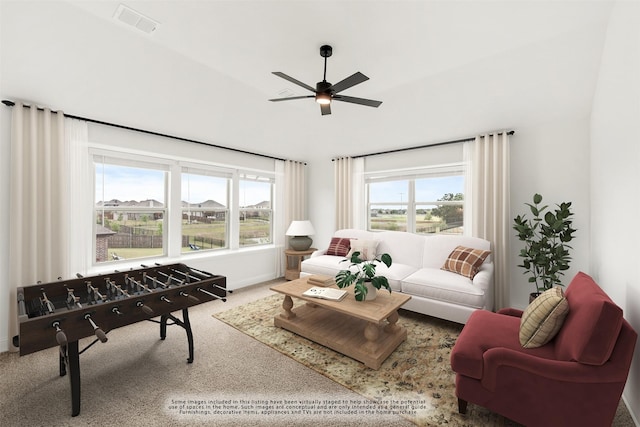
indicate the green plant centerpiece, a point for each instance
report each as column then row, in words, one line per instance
column 545, row 256
column 365, row 272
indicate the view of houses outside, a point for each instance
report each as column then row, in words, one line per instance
column 130, row 212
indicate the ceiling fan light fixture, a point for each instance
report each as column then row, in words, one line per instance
column 323, row 98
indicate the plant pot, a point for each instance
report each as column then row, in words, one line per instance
column 532, row 296
column 372, row 292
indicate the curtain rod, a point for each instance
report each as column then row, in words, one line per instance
column 11, row 104
column 455, row 141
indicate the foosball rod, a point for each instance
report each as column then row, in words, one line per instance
column 211, row 294
column 189, row 276
column 170, row 278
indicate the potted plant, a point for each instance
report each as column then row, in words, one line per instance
column 364, row 276
column 545, row 256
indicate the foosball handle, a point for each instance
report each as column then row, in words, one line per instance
column 101, row 335
column 61, row 337
column 191, row 298
column 145, row 308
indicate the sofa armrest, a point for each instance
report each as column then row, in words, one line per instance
column 484, row 278
column 319, row 252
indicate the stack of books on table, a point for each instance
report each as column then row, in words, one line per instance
column 325, row 293
column 321, row 280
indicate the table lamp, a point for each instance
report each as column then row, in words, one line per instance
column 300, row 232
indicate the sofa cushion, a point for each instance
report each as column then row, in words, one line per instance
column 404, row 248
column 367, row 248
column 442, row 285
column 395, row 274
column 339, row 246
column 543, row 318
column 465, row 261
column 591, row 328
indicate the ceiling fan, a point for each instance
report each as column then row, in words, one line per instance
column 325, row 92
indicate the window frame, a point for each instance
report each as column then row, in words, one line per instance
column 411, row 204
column 174, row 168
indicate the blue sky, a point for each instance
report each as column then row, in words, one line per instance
column 427, row 189
column 127, row 183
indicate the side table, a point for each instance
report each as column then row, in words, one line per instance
column 294, row 258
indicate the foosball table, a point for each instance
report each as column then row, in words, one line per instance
column 61, row 313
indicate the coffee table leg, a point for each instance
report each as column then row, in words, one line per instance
column 287, row 305
column 393, row 326
column 371, row 333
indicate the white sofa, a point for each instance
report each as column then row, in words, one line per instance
column 416, row 271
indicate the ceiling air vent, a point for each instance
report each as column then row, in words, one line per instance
column 135, row 19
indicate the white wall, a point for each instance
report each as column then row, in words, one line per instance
column 551, row 159
column 615, row 176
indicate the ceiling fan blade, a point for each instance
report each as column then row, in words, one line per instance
column 292, row 80
column 292, row 97
column 361, row 101
column 350, row 81
column 325, row 109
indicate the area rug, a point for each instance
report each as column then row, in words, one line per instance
column 417, row 375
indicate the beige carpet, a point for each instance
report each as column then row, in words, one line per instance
column 417, row 375
column 415, row 382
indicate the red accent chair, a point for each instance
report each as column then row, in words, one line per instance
column 576, row 379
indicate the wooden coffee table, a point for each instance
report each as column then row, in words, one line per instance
column 367, row 331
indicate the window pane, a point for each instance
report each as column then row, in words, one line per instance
column 117, row 184
column 255, row 212
column 388, row 205
column 446, row 219
column 205, row 216
column 128, row 234
column 383, row 217
column 129, row 212
column 435, row 189
column 389, row 192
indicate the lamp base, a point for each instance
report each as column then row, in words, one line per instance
column 300, row 243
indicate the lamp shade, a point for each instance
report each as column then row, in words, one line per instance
column 300, row 230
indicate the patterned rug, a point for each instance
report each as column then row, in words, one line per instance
column 417, row 373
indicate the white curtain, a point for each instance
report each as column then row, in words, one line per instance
column 80, row 214
column 349, row 192
column 291, row 204
column 39, row 201
column 491, row 220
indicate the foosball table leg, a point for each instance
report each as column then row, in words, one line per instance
column 184, row 323
column 70, row 362
column 187, row 327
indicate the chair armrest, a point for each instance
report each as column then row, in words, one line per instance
column 552, row 370
column 510, row 312
column 319, row 252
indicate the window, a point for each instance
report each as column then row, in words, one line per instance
column 205, row 211
column 159, row 207
column 256, row 213
column 129, row 210
column 427, row 201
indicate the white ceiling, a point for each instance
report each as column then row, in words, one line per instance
column 443, row 69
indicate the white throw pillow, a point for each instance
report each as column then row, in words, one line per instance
column 367, row 248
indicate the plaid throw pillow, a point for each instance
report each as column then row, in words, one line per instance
column 465, row 261
column 543, row 318
column 339, row 246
